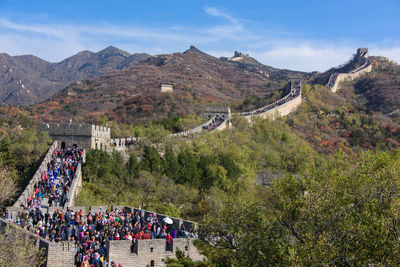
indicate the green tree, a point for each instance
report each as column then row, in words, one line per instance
column 240, row 235
column 132, row 166
column 188, row 168
column 146, row 185
column 171, row 165
column 343, row 214
column 229, row 164
column 151, row 160
column 17, row 248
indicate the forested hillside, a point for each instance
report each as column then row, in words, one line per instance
column 318, row 187
column 21, row 147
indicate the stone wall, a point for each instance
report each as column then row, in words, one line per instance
column 336, row 78
column 193, row 131
column 76, row 185
column 86, row 136
column 223, row 112
column 349, row 77
column 28, row 191
column 100, row 136
column 279, row 110
column 284, row 109
column 166, row 88
column 150, row 252
column 61, row 254
column 56, row 254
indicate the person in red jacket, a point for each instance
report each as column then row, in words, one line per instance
column 168, row 238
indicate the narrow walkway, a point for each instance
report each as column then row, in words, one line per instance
column 58, row 183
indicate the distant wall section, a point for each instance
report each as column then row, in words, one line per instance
column 349, row 77
column 336, row 78
column 282, row 107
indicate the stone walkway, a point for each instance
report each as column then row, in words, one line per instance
column 45, row 202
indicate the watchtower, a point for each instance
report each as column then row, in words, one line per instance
column 223, row 112
column 166, row 88
column 362, row 52
column 86, row 136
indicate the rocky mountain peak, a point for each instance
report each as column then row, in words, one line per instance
column 112, row 50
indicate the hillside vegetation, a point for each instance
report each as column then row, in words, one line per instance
column 318, row 187
column 21, row 147
column 132, row 95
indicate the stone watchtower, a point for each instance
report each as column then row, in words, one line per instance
column 361, row 55
column 223, row 112
column 362, row 52
column 86, row 136
column 166, row 88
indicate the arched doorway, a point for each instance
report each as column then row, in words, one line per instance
column 62, row 145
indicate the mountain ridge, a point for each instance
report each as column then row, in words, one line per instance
column 198, row 79
column 27, row 79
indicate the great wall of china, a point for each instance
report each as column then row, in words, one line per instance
column 62, row 254
column 148, row 252
column 336, row 78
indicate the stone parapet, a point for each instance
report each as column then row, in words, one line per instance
column 279, row 109
column 147, row 252
column 151, row 252
column 76, row 185
column 340, row 77
column 195, row 130
column 28, row 191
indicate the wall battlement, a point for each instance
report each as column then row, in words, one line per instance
column 74, row 129
column 86, row 136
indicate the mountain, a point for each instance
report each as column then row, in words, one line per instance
column 198, row 79
column 378, row 90
column 20, row 81
column 29, row 79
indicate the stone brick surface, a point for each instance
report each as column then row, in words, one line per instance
column 150, row 251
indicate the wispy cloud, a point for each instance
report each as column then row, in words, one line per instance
column 55, row 42
column 218, row 13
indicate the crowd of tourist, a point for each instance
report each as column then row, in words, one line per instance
column 332, row 79
column 55, row 182
column 217, row 121
column 126, row 143
column 294, row 92
column 91, row 232
column 366, row 63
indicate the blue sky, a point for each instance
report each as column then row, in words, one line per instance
column 302, row 35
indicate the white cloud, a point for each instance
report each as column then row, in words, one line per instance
column 392, row 53
column 55, row 42
column 306, row 57
column 217, row 13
